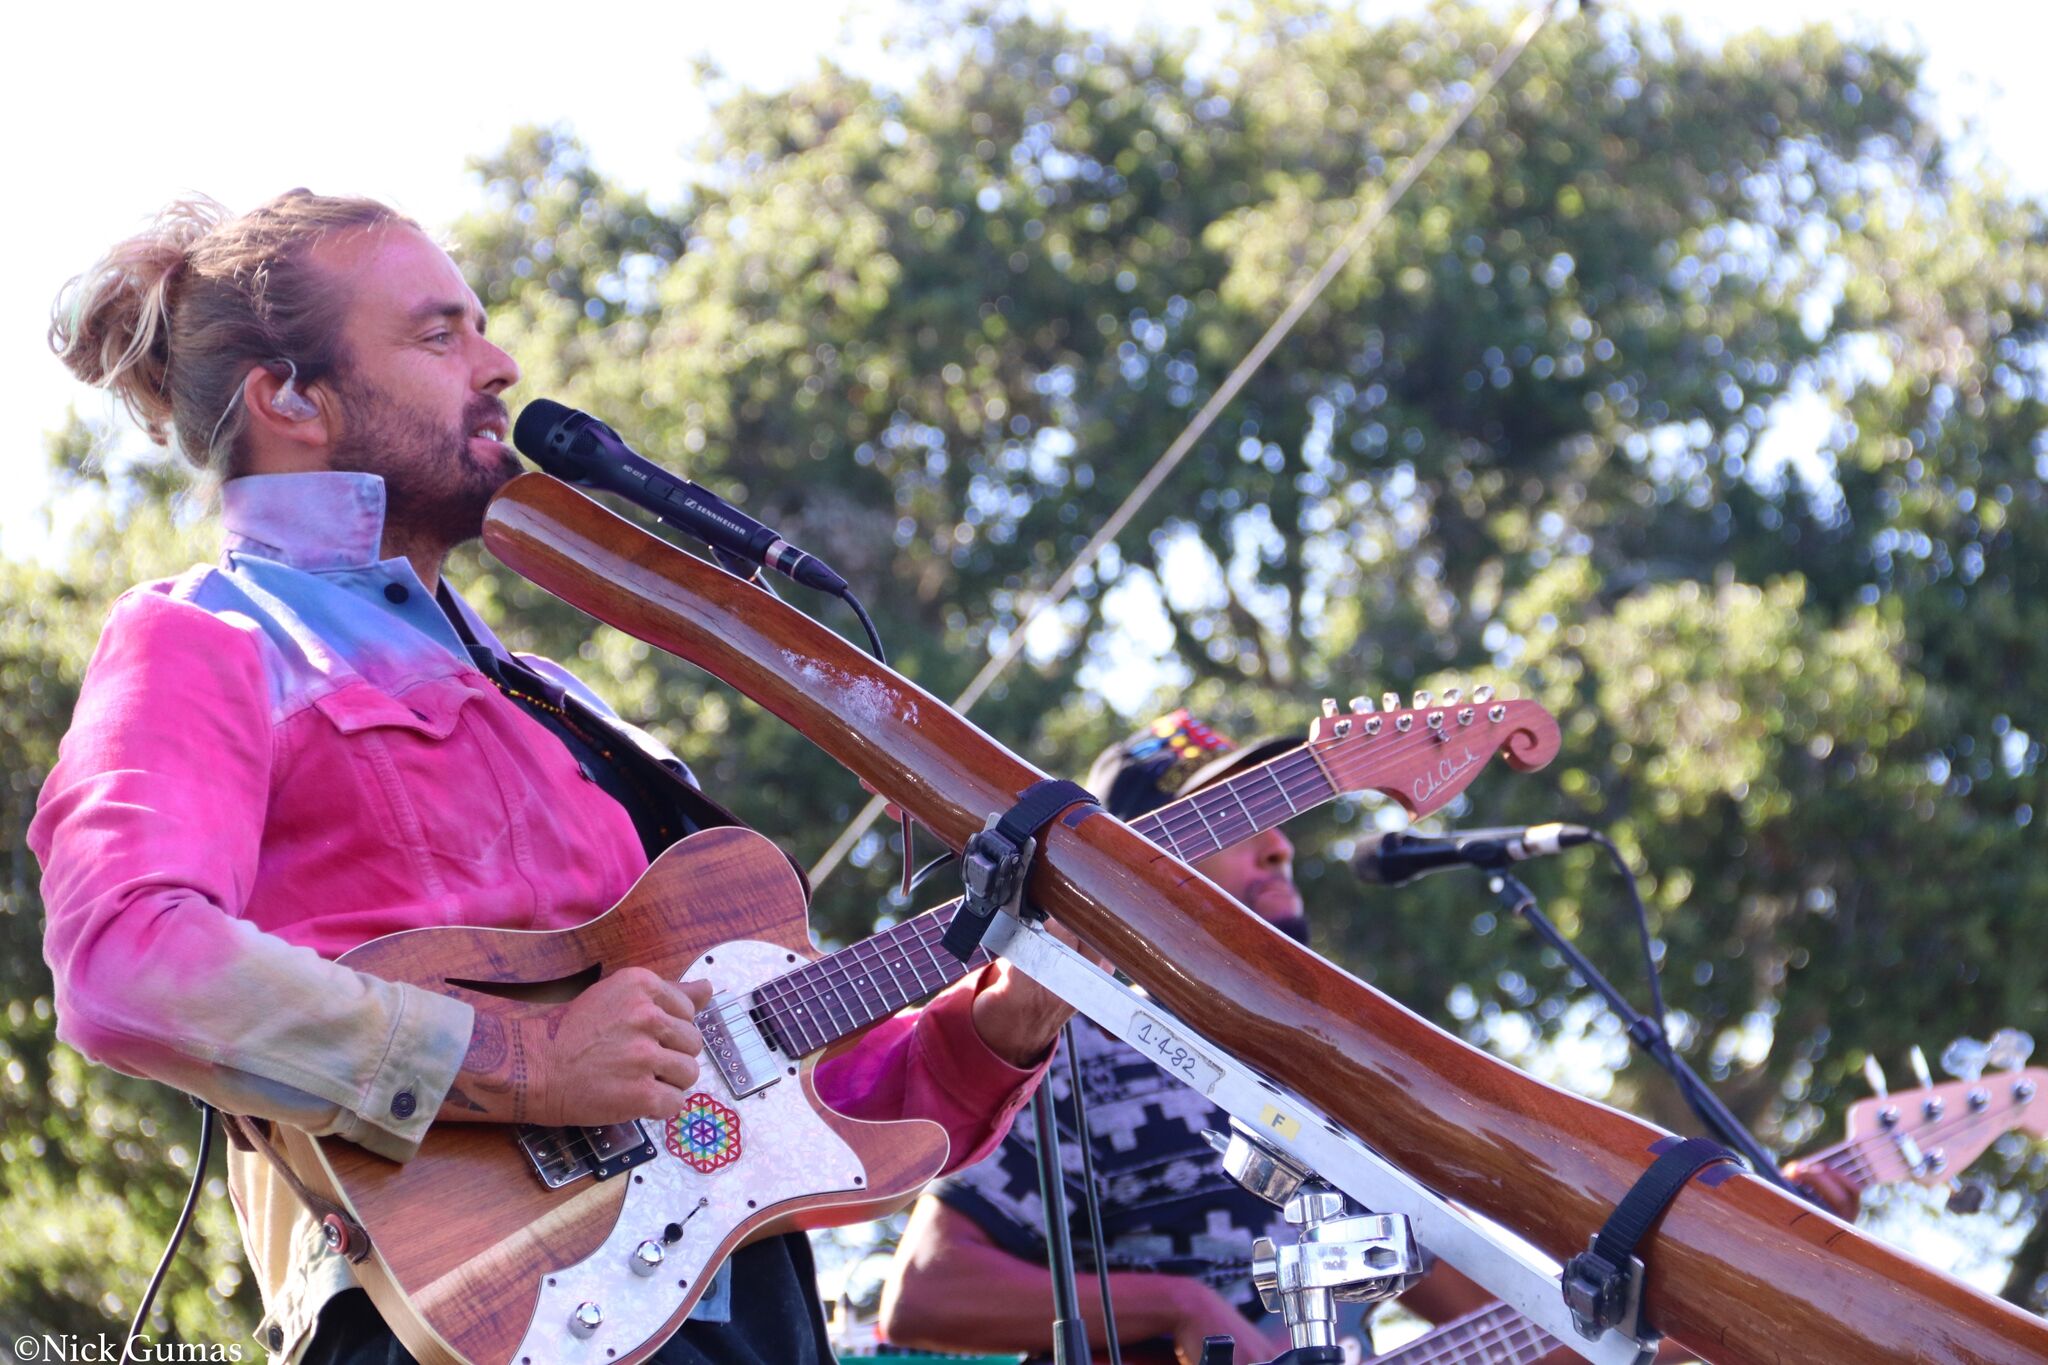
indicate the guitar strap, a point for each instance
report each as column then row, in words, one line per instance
column 663, row 803
column 345, row 1236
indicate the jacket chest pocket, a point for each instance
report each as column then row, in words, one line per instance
column 427, row 766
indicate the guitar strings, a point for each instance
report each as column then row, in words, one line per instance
column 1516, row 1333
column 821, row 983
column 1856, row 1152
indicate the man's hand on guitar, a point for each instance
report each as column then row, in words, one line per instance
column 627, row 1048
column 1836, row 1194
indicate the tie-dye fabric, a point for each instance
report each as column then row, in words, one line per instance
column 288, row 753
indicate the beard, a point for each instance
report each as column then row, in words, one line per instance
column 435, row 489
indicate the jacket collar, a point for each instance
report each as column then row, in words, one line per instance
column 313, row 521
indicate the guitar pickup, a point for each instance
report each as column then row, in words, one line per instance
column 736, row 1049
column 561, row 1156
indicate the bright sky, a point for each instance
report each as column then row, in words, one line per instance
column 119, row 107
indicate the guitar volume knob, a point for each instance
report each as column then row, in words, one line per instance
column 587, row 1318
column 647, row 1257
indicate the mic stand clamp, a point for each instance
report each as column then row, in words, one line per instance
column 1338, row 1255
column 1284, row 1121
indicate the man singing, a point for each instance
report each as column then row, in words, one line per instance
column 315, row 741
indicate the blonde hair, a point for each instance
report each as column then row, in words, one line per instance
column 173, row 319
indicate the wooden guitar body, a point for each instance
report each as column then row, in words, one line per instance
column 474, row 1259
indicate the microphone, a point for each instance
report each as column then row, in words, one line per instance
column 577, row 448
column 1398, row 857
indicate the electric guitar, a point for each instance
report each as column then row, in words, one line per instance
column 547, row 1246
column 1925, row 1136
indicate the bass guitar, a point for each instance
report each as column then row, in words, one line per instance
column 496, row 1246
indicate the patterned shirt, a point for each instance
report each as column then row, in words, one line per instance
column 1166, row 1203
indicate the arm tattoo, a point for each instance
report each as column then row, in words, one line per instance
column 518, row 1076
column 462, row 1101
column 486, row 1044
column 493, row 1070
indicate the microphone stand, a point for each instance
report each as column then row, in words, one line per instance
column 1646, row 1033
column 1069, row 1328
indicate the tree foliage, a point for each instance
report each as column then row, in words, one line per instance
column 1545, row 431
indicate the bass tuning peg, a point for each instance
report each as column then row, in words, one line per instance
column 1964, row 1058
column 1874, row 1075
column 1920, row 1071
column 2008, row 1049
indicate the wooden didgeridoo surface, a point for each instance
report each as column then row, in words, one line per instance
column 1738, row 1273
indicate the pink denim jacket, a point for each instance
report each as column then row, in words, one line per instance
column 289, row 753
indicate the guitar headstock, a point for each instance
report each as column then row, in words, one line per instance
column 1930, row 1134
column 1423, row 754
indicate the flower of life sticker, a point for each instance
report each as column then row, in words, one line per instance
column 705, row 1134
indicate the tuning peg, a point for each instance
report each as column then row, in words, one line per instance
column 1964, row 1059
column 1423, row 699
column 1483, row 693
column 1874, row 1074
column 1390, row 701
column 1361, row 706
column 1920, row 1071
column 1329, row 707
column 1451, row 695
column 2009, row 1049
column 1968, row 1196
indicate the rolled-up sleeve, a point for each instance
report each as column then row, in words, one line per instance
column 932, row 1064
column 150, row 831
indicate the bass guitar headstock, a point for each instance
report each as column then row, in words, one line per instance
column 1931, row 1133
column 1423, row 754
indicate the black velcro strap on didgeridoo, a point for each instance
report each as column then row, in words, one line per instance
column 993, row 864
column 1603, row 1285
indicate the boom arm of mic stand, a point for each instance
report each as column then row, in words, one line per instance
column 1646, row 1033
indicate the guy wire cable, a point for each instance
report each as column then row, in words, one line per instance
column 1361, row 232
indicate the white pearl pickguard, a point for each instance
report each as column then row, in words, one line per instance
column 786, row 1151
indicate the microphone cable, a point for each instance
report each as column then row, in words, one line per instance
column 1642, row 913
column 867, row 623
column 163, row 1266
column 1705, row 1105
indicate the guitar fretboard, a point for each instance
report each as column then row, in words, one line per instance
column 1494, row 1335
column 817, row 1004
